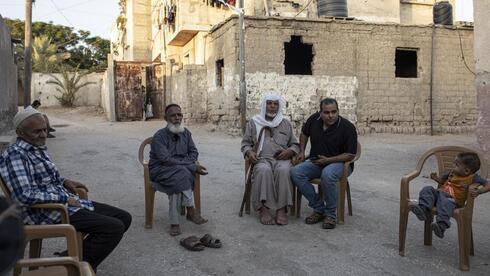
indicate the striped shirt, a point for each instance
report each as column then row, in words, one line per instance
column 33, row 178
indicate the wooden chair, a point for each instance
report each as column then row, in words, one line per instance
column 35, row 245
column 445, row 156
column 344, row 191
column 70, row 265
column 150, row 192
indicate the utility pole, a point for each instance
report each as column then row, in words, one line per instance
column 241, row 57
column 28, row 54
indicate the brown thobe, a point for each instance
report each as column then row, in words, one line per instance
column 271, row 184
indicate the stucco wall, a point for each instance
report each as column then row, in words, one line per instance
column 8, row 80
column 355, row 50
column 189, row 91
column 375, row 10
column 138, row 29
column 482, row 44
column 89, row 95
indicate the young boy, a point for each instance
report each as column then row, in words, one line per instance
column 452, row 191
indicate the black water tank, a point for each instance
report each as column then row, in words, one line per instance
column 335, row 8
column 443, row 13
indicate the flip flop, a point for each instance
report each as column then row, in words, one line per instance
column 192, row 243
column 208, row 241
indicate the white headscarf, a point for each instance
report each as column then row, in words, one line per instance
column 260, row 120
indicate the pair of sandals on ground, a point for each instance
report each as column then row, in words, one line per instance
column 194, row 243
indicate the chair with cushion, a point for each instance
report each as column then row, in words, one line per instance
column 344, row 191
column 150, row 192
column 36, row 244
column 445, row 156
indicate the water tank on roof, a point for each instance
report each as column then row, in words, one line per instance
column 443, row 13
column 335, row 8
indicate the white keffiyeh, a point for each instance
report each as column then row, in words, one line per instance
column 260, row 120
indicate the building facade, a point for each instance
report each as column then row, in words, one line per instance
column 391, row 72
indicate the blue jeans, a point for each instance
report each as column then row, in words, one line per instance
column 445, row 204
column 301, row 175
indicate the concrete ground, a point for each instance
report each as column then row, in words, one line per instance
column 104, row 156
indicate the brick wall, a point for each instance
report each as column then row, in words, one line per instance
column 351, row 50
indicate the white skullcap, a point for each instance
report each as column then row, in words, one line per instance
column 23, row 115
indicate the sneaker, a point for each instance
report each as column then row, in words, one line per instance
column 439, row 229
column 50, row 129
column 51, row 135
column 419, row 211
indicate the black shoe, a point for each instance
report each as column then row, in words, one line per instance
column 51, row 135
column 439, row 229
column 419, row 211
column 50, row 129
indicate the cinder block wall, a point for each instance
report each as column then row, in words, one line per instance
column 356, row 60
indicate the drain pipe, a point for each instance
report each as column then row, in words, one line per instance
column 431, row 112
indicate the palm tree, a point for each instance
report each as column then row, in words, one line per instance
column 68, row 84
column 45, row 56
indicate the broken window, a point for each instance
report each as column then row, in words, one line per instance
column 220, row 67
column 406, row 63
column 297, row 57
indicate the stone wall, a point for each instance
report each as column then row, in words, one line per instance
column 302, row 94
column 89, row 95
column 8, row 80
column 189, row 91
column 354, row 50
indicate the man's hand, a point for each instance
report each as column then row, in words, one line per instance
column 201, row 170
column 322, row 160
column 73, row 202
column 252, row 156
column 72, row 186
column 301, row 157
column 284, row 155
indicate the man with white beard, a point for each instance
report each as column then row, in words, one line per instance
column 172, row 165
column 270, row 152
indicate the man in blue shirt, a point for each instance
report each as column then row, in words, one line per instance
column 33, row 178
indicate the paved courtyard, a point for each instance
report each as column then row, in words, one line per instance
column 104, row 156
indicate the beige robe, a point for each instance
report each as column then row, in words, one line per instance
column 271, row 184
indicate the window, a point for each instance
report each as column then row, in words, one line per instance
column 297, row 57
column 406, row 63
column 220, row 67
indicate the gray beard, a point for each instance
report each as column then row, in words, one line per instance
column 175, row 128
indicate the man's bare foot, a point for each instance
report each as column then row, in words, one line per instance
column 265, row 216
column 281, row 216
column 194, row 216
column 175, row 230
